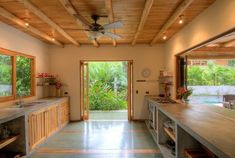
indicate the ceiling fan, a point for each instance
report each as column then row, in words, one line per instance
column 96, row 30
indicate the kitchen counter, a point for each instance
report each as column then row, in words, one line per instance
column 10, row 113
column 214, row 127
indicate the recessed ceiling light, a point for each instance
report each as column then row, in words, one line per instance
column 181, row 21
column 164, row 37
column 26, row 24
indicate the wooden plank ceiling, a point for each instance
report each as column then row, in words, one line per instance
column 145, row 21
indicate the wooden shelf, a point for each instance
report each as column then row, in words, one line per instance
column 46, row 85
column 170, row 133
column 146, row 80
column 8, row 141
column 165, row 76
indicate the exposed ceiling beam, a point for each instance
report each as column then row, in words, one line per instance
column 32, row 29
column 47, row 20
column 216, row 49
column 145, row 13
column 180, row 9
column 109, row 8
column 80, row 20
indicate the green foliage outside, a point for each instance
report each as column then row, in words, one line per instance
column 23, row 76
column 211, row 75
column 5, row 74
column 107, row 85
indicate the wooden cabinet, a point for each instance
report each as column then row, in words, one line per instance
column 64, row 113
column 51, row 120
column 36, row 128
column 46, row 121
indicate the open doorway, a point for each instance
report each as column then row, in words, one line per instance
column 106, row 90
column 209, row 71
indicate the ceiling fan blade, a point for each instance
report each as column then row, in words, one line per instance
column 113, row 25
column 112, row 35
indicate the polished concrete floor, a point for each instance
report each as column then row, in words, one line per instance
column 108, row 115
column 100, row 139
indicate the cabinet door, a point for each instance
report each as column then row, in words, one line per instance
column 36, row 128
column 64, row 113
column 51, row 120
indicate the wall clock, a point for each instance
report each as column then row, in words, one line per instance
column 146, row 72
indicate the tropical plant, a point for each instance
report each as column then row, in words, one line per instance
column 23, row 76
column 211, row 75
column 107, row 85
column 184, row 93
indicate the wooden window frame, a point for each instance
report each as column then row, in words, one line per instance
column 13, row 56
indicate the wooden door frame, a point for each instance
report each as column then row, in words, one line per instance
column 130, row 85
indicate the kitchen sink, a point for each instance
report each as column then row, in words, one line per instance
column 29, row 104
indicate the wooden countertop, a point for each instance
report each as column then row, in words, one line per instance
column 213, row 127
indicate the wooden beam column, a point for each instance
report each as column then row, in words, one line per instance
column 109, row 8
column 181, row 8
column 147, row 8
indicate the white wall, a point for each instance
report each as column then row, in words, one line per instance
column 66, row 61
column 215, row 20
column 15, row 40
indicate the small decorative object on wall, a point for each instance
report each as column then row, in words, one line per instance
column 184, row 93
column 146, row 72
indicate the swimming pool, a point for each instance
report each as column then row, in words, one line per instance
column 210, row 100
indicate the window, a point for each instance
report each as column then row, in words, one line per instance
column 23, row 76
column 5, row 75
column 16, row 75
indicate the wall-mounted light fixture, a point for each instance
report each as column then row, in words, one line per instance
column 181, row 19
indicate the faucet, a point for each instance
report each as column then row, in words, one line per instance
column 20, row 101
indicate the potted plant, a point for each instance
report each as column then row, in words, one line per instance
column 183, row 93
column 58, row 86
